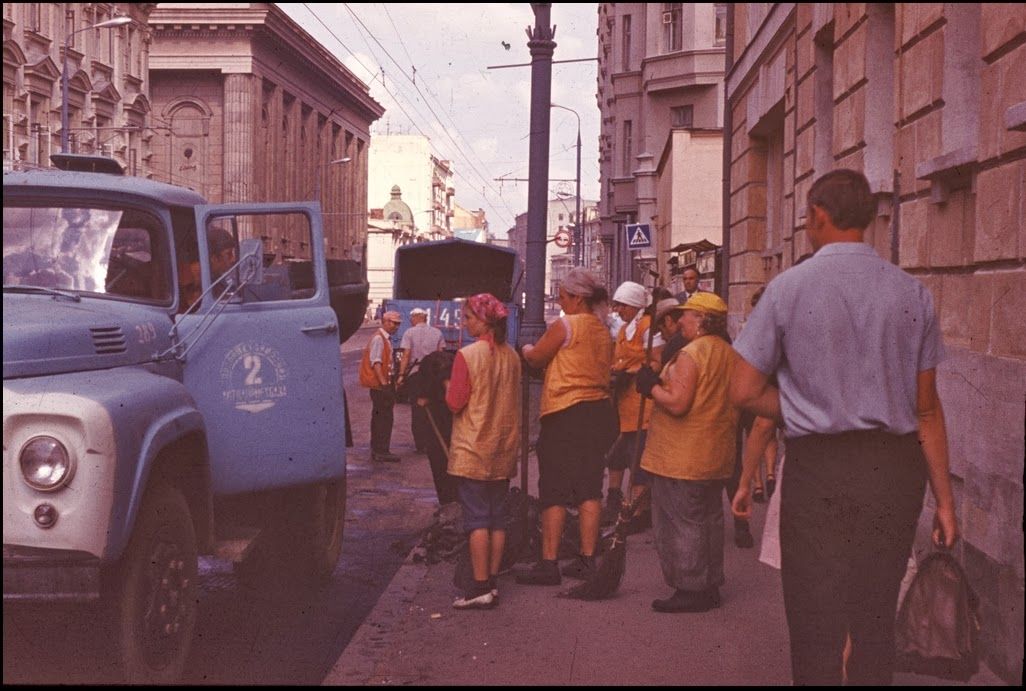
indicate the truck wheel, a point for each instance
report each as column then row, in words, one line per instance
column 302, row 541
column 326, row 528
column 155, row 592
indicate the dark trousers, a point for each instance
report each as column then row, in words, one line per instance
column 849, row 507
column 420, row 426
column 382, row 402
column 445, row 484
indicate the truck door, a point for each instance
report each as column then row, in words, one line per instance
column 263, row 365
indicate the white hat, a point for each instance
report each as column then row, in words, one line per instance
column 417, row 310
column 631, row 294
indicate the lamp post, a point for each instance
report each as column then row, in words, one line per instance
column 108, row 24
column 317, row 182
column 578, row 253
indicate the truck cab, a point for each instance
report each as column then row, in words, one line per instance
column 165, row 396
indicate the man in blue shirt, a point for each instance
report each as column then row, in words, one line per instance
column 854, row 342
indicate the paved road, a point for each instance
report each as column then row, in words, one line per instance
column 242, row 636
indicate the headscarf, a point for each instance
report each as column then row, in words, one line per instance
column 487, row 308
column 579, row 281
column 631, row 294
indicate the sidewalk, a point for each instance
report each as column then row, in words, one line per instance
column 534, row 637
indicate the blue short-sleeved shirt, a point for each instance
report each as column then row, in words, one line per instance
column 847, row 334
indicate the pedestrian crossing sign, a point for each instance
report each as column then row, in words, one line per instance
column 639, row 235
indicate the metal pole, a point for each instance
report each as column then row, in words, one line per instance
column 109, row 24
column 578, row 229
column 578, row 252
column 542, row 47
column 64, row 96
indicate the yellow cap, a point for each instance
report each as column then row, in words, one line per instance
column 710, row 303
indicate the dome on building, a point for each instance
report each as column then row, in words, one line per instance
column 397, row 210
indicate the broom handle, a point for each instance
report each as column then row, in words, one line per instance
column 438, row 433
column 641, row 409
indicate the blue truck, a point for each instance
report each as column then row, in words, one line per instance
column 437, row 276
column 159, row 405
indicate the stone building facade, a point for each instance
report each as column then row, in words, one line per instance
column 408, row 161
column 929, row 101
column 108, row 101
column 660, row 75
column 257, row 110
column 559, row 216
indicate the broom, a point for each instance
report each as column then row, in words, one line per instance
column 606, row 578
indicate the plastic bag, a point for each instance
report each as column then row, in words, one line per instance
column 937, row 629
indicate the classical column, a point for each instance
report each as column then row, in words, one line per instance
column 239, row 121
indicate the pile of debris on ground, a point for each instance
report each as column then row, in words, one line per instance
column 445, row 539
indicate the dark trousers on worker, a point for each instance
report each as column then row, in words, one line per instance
column 446, row 486
column 849, row 507
column 420, row 426
column 382, row 403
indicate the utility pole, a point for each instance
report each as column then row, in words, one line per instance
column 578, row 254
column 542, row 46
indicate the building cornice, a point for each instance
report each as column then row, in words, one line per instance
column 767, row 37
column 262, row 22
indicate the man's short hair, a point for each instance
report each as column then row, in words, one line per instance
column 844, row 195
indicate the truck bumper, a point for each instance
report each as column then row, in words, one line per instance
column 35, row 575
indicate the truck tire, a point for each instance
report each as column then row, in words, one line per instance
column 301, row 543
column 155, row 590
column 326, row 528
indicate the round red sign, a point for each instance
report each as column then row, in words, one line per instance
column 562, row 239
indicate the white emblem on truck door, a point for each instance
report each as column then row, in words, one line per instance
column 253, row 377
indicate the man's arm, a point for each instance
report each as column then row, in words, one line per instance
column 759, row 438
column 750, row 389
column 933, row 439
column 404, row 362
column 377, row 354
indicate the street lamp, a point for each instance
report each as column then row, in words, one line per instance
column 317, row 183
column 109, row 24
column 578, row 253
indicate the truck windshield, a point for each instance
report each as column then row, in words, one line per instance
column 111, row 251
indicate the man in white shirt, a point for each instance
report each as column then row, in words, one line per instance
column 417, row 341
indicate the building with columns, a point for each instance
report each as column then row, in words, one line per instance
column 660, row 93
column 108, row 91
column 257, row 110
column 928, row 100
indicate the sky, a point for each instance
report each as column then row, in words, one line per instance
column 428, row 65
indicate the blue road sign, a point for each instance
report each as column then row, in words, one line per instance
column 639, row 235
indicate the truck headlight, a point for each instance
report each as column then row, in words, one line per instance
column 45, row 464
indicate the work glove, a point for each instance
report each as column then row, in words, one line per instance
column 645, row 380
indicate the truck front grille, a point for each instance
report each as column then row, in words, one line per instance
column 108, row 340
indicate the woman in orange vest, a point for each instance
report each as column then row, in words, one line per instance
column 484, row 396
column 629, row 301
column 578, row 423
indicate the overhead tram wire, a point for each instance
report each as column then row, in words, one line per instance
column 438, row 120
column 398, row 35
column 414, row 122
column 444, row 129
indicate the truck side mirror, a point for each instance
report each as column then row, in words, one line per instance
column 251, row 261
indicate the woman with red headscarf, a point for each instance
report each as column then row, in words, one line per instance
column 484, row 396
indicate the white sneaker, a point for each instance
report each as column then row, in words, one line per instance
column 483, row 601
